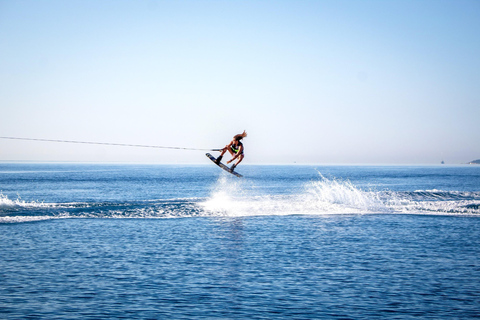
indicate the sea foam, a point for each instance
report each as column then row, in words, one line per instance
column 331, row 196
column 6, row 203
column 317, row 197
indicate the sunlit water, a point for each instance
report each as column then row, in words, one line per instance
column 285, row 242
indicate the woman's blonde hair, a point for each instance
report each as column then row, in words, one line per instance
column 240, row 136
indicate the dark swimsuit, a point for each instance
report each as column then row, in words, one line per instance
column 235, row 149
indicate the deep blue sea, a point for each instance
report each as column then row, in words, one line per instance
column 112, row 241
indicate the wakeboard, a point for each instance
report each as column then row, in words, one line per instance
column 224, row 167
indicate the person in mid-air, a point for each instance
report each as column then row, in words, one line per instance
column 235, row 147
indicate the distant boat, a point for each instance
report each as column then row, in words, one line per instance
column 443, row 162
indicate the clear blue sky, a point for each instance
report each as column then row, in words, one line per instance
column 342, row 82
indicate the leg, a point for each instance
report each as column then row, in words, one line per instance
column 222, row 153
column 239, row 159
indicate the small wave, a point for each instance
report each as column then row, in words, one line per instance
column 23, row 211
column 6, row 203
column 441, row 195
column 20, row 219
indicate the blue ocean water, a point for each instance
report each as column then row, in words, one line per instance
column 111, row 241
